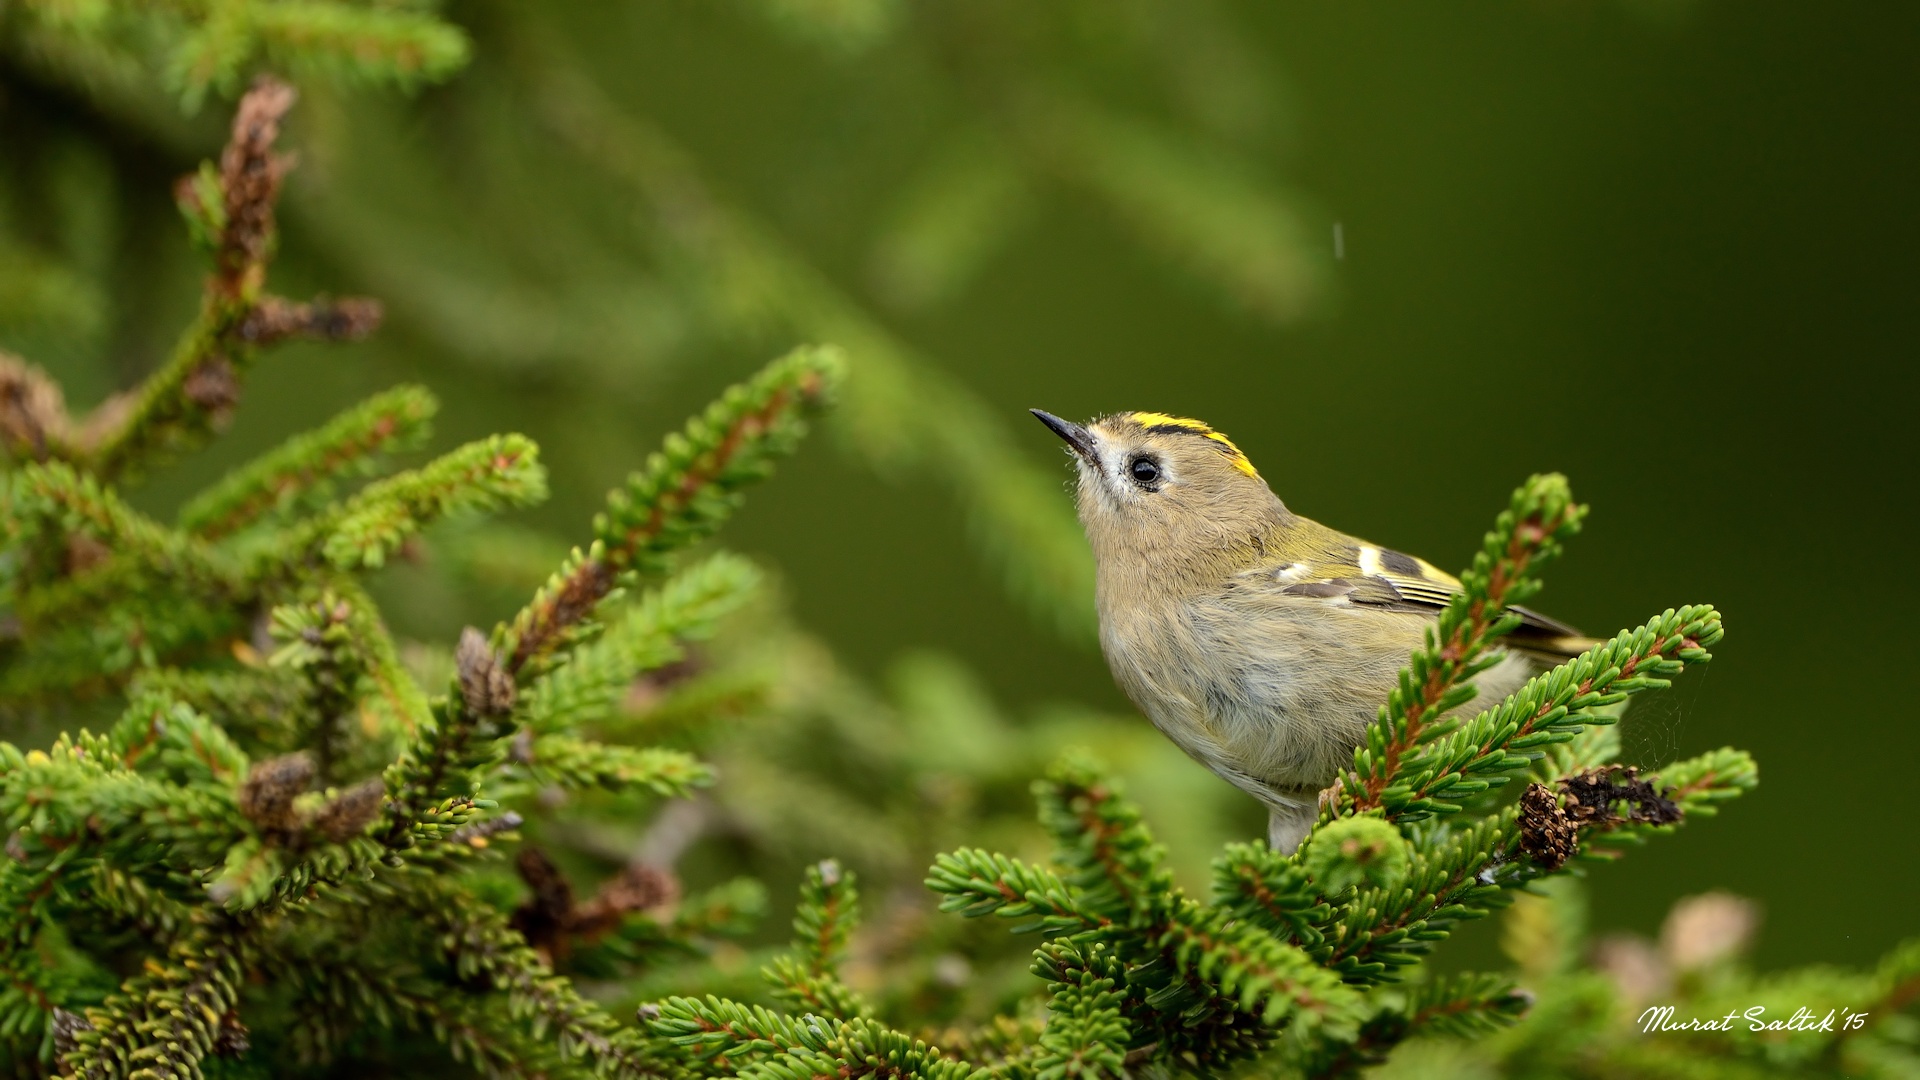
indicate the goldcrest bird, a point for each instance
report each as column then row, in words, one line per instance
column 1259, row 641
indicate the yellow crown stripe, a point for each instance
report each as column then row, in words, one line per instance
column 1239, row 459
column 1155, row 419
column 1200, row 428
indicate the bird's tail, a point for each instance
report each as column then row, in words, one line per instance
column 1559, row 647
column 1546, row 636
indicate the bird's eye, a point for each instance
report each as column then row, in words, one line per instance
column 1145, row 471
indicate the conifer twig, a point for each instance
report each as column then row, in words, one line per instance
column 397, row 691
column 973, row 883
column 648, row 635
column 1244, row 981
column 568, row 762
column 163, row 1022
column 363, row 531
column 679, row 497
column 480, row 945
column 1269, row 890
column 1460, row 1005
column 809, row 979
column 232, row 210
column 1527, row 534
column 1086, row 1034
column 75, row 502
column 353, row 440
column 752, row 1041
column 1486, row 751
column 1461, row 873
column 434, row 777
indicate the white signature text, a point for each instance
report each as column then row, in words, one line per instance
column 1661, row 1018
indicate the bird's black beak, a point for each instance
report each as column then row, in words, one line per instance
column 1077, row 437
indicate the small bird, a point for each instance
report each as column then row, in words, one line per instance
column 1261, row 642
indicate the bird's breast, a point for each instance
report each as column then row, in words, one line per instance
column 1280, row 689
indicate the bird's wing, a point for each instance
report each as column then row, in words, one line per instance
column 1364, row 573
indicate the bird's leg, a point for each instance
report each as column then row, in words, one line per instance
column 1289, row 824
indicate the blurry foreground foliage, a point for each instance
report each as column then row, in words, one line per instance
column 269, row 838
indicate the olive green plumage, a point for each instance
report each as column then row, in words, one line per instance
column 1259, row 641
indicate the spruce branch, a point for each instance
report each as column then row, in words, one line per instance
column 252, row 702
column 399, row 701
column 813, row 994
column 1460, row 1005
column 752, row 1041
column 680, row 496
column 1086, row 1035
column 809, row 979
column 199, row 49
column 481, row 946
column 721, row 1031
column 1696, row 787
column 1112, row 862
column 489, row 474
column 28, row 990
column 1461, row 644
column 648, row 635
column 338, row 994
column 974, row 883
column 1456, row 875
column 275, row 319
column 317, row 640
column 128, row 901
column 249, row 185
column 99, row 535
column 1462, row 760
column 78, row 798
column 485, row 1035
column 231, row 209
column 307, row 464
column 433, row 783
column 100, row 588
column 1462, row 872
column 568, row 762
column 855, row 1050
column 403, row 46
column 1269, row 890
column 165, row 1021
column 1255, row 973
column 829, row 910
column 1005, row 1045
column 730, row 909
column 1202, row 961
column 1463, row 1005
column 161, row 736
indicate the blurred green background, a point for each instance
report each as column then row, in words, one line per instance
column 1668, row 248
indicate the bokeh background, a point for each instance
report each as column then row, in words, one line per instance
column 1406, row 254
